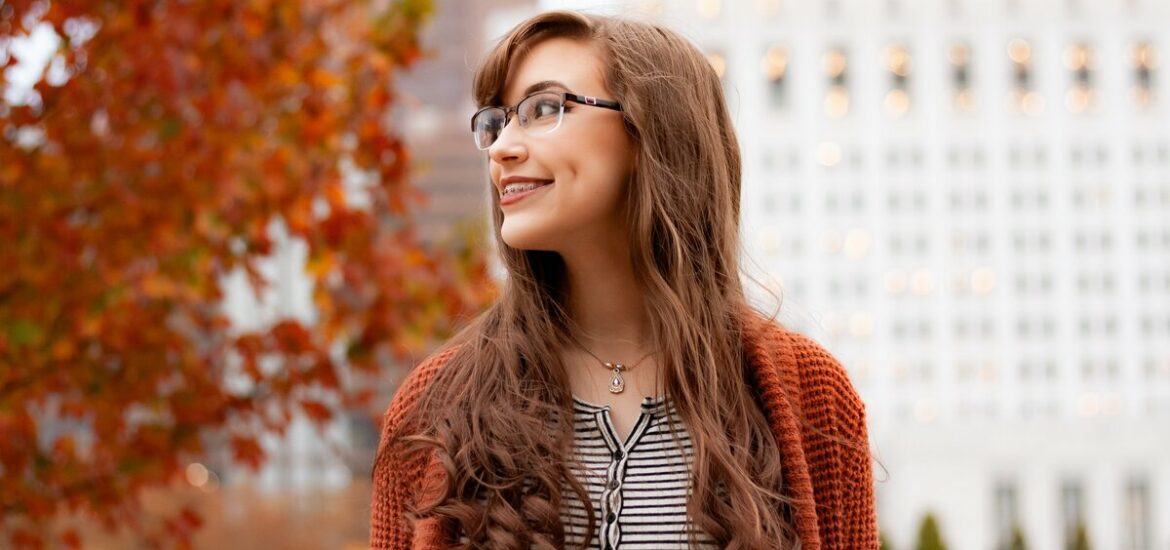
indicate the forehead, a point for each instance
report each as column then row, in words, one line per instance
column 574, row 64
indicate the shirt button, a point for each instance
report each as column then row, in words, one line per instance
column 610, row 518
column 613, row 483
column 617, row 455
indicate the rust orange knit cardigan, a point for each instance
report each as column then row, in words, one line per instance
column 831, row 484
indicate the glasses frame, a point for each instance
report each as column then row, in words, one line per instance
column 565, row 97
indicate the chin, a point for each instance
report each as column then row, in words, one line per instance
column 523, row 239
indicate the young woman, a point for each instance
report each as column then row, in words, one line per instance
column 621, row 393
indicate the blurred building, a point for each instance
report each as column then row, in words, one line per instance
column 968, row 202
column 435, row 108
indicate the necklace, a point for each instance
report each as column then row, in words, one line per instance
column 617, row 384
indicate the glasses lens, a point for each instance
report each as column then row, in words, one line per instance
column 541, row 113
column 486, row 126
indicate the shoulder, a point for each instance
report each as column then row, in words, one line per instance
column 804, row 367
column 401, row 476
column 769, row 341
column 820, row 368
column 414, row 384
column 397, row 468
column 412, row 387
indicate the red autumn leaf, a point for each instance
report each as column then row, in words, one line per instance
column 316, row 411
column 71, row 539
column 190, row 517
column 247, row 451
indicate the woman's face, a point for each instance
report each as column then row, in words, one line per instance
column 588, row 159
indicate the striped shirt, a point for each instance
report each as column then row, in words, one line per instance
column 638, row 487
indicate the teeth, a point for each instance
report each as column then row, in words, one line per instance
column 520, row 187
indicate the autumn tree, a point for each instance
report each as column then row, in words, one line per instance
column 165, row 144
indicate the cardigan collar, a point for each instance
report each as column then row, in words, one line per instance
column 774, row 368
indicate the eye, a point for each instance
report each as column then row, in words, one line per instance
column 546, row 107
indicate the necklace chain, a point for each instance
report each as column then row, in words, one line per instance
column 617, row 384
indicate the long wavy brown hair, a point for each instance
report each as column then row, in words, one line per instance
column 499, row 413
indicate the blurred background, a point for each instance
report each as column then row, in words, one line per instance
column 967, row 202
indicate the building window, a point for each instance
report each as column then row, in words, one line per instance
column 1072, row 510
column 954, row 8
column 1137, row 515
column 1027, row 100
column 775, row 68
column 832, row 9
column 897, row 101
column 1007, row 513
column 835, row 63
column 959, row 56
column 1143, row 79
column 1080, row 96
column 1025, row 370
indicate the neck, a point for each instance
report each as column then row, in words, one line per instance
column 606, row 303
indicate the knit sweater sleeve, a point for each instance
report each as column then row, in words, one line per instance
column 397, row 476
column 840, row 455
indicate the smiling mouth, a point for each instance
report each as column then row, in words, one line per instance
column 513, row 188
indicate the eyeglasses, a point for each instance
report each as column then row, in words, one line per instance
column 538, row 113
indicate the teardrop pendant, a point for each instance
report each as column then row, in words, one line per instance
column 616, row 384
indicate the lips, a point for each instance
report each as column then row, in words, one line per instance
column 521, row 181
column 517, row 190
column 520, row 187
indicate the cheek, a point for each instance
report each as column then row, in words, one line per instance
column 609, row 168
column 604, row 157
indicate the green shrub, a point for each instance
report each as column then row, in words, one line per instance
column 929, row 537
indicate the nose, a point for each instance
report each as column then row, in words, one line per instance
column 509, row 146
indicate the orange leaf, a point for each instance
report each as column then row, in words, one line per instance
column 247, row 451
column 325, row 79
column 316, row 411
column 62, row 349
column 71, row 539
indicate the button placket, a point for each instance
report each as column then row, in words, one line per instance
column 607, row 504
column 612, row 496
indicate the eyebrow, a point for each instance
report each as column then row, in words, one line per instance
column 544, row 85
